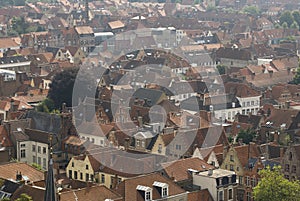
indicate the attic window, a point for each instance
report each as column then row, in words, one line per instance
column 146, row 192
column 163, row 188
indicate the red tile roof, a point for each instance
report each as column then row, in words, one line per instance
column 179, row 169
column 9, row 170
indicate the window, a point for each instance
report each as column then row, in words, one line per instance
column 87, row 177
column 81, row 175
column 159, row 148
column 92, row 177
column 137, row 143
column 44, row 163
column 86, row 167
column 165, row 192
column 241, row 180
column 39, row 160
column 143, row 143
column 231, row 158
column 147, row 196
column 75, row 175
column 44, row 150
column 23, row 145
column 93, row 140
column 230, row 194
column 231, row 168
column 247, row 181
column 248, row 196
column 290, row 156
column 294, row 168
column 287, row 167
column 33, row 148
column 102, row 178
column 70, row 174
column 253, row 182
column 34, row 159
column 221, row 196
column 23, row 153
column 237, row 169
column 178, row 147
column 39, row 149
column 72, row 164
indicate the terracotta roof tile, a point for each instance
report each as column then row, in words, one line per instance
column 179, row 169
column 8, row 171
column 128, row 190
column 99, row 193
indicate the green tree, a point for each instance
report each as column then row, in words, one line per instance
column 251, row 10
column 36, row 166
column 24, row 197
column 296, row 16
column 296, row 79
column 294, row 25
column 221, row 69
column 273, row 186
column 246, row 135
column 286, row 17
column 61, row 88
column 277, row 26
column 46, row 105
column 285, row 25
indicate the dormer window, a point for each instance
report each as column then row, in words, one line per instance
column 162, row 188
column 145, row 191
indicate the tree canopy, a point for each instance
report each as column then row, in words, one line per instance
column 273, row 186
column 296, row 79
column 251, row 10
column 290, row 19
column 246, row 135
column 61, row 88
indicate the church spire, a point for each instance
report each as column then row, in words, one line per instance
column 50, row 193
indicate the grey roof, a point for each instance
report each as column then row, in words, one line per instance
column 151, row 95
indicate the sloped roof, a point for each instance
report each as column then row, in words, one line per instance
column 102, row 193
column 116, row 24
column 128, row 188
column 179, row 170
column 8, row 171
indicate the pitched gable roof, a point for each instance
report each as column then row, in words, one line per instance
column 8, row 171
column 179, row 170
column 102, row 193
column 128, row 188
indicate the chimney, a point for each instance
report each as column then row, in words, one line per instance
column 287, row 105
column 19, row 176
column 210, row 172
column 140, row 121
column 126, row 143
column 276, row 136
column 271, row 73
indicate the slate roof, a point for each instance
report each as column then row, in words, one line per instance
column 151, row 95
